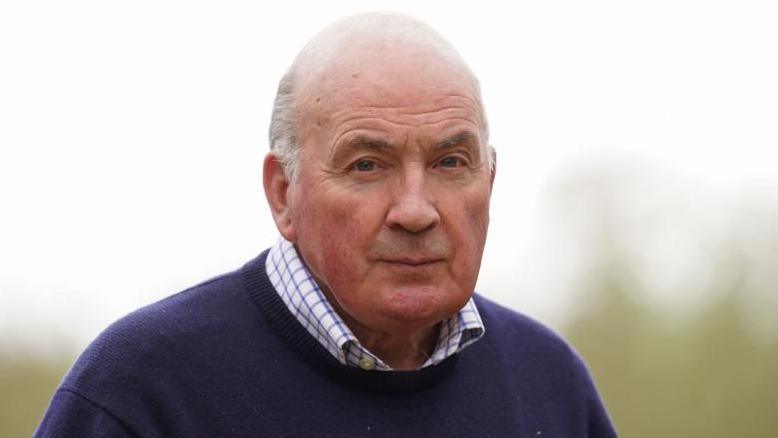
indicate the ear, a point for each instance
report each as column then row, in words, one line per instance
column 493, row 170
column 277, row 193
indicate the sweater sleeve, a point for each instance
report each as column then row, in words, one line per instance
column 70, row 414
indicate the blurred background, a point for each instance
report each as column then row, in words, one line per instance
column 635, row 208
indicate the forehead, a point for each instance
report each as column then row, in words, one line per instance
column 394, row 92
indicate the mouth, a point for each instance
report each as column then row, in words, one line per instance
column 412, row 262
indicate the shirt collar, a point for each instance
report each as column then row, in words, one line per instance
column 305, row 300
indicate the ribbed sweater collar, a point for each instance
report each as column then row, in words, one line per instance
column 289, row 329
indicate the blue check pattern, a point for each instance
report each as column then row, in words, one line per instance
column 304, row 298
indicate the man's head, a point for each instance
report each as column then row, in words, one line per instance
column 380, row 171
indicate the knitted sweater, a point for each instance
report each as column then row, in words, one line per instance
column 227, row 358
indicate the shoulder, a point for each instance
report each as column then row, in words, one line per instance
column 514, row 327
column 542, row 367
column 158, row 338
column 189, row 312
column 530, row 346
column 162, row 359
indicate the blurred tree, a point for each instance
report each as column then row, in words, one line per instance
column 704, row 377
column 669, row 297
column 27, row 383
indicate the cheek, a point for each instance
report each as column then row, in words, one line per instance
column 479, row 220
column 472, row 224
column 334, row 232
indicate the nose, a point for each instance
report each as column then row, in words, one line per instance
column 413, row 208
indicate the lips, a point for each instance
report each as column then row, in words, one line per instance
column 412, row 261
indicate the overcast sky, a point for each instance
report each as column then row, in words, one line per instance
column 132, row 134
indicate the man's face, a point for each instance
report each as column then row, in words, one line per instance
column 391, row 208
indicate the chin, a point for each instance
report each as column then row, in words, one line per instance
column 419, row 305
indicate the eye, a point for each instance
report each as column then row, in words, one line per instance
column 364, row 165
column 450, row 161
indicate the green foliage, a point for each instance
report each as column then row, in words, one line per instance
column 703, row 377
column 26, row 386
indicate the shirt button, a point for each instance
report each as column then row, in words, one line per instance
column 367, row 363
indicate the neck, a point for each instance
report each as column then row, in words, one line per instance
column 402, row 352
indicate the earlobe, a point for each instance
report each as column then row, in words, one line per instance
column 277, row 187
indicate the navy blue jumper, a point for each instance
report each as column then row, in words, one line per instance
column 226, row 358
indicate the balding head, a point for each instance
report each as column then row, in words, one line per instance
column 364, row 48
column 380, row 176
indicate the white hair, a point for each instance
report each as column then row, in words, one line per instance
column 331, row 42
column 283, row 126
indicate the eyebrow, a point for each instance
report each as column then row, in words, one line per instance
column 463, row 137
column 368, row 143
column 458, row 139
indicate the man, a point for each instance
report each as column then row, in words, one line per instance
column 361, row 320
